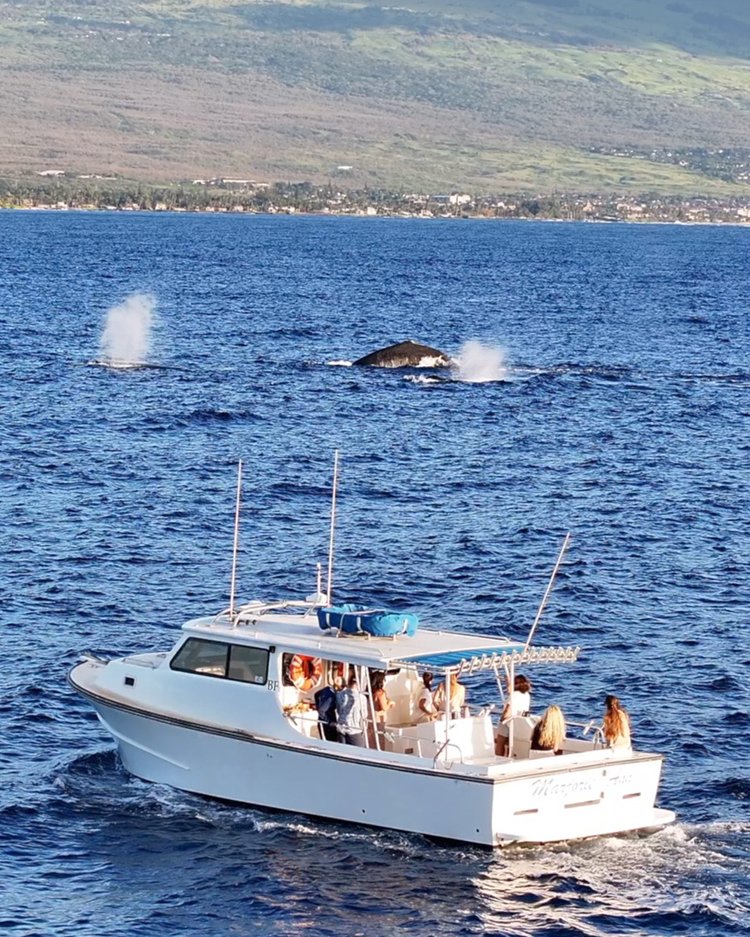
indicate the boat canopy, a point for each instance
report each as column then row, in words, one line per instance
column 293, row 628
column 465, row 662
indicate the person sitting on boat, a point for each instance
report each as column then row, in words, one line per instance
column 426, row 704
column 351, row 711
column 325, row 703
column 517, row 704
column 458, row 697
column 616, row 724
column 549, row 732
column 380, row 700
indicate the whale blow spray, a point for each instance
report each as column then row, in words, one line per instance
column 126, row 338
column 477, row 363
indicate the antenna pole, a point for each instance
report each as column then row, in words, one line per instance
column 333, row 526
column 236, row 542
column 547, row 591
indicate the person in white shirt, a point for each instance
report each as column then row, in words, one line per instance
column 426, row 703
column 519, row 701
column 517, row 704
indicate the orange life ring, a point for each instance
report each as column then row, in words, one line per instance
column 305, row 672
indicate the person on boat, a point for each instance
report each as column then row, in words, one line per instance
column 458, row 697
column 427, row 711
column 518, row 703
column 380, row 699
column 549, row 732
column 351, row 711
column 519, row 699
column 325, row 703
column 381, row 704
column 616, row 724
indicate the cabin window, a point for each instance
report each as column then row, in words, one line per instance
column 248, row 664
column 199, row 656
column 235, row 661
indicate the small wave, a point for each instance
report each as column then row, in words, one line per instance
column 108, row 364
column 339, row 364
column 738, row 377
column 204, row 416
column 114, row 364
column 694, row 319
column 610, row 372
column 738, row 718
column 300, row 489
column 92, row 764
column 209, row 415
column 424, row 379
column 737, row 788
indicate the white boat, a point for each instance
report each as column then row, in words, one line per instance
column 229, row 713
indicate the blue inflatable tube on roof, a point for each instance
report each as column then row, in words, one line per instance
column 357, row 619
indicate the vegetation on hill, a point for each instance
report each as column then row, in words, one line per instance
column 478, row 95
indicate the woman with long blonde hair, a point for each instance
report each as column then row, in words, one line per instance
column 616, row 723
column 549, row 732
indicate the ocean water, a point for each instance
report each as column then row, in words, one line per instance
column 623, row 416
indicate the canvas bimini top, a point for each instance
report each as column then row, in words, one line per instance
column 293, row 626
column 464, row 661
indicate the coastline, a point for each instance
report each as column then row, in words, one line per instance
column 393, row 215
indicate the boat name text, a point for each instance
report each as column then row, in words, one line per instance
column 552, row 787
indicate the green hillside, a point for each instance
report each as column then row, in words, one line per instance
column 480, row 95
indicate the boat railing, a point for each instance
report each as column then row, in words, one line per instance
column 152, row 661
column 257, row 609
column 443, row 748
column 593, row 728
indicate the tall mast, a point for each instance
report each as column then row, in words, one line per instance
column 236, row 542
column 547, row 591
column 329, row 592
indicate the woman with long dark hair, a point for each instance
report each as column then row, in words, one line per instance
column 616, row 724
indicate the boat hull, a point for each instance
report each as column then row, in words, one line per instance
column 534, row 802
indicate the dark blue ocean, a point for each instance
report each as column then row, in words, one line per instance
column 624, row 418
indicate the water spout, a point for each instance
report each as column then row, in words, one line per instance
column 477, row 363
column 126, row 339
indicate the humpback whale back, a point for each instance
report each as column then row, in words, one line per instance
column 406, row 354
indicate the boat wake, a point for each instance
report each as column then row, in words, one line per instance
column 667, row 882
column 686, row 877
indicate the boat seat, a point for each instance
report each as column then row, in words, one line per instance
column 523, row 728
column 534, row 753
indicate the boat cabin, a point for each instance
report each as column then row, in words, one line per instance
column 295, row 651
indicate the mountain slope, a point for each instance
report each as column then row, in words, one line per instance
column 482, row 95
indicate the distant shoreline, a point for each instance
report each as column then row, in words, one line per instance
column 397, row 215
column 61, row 191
